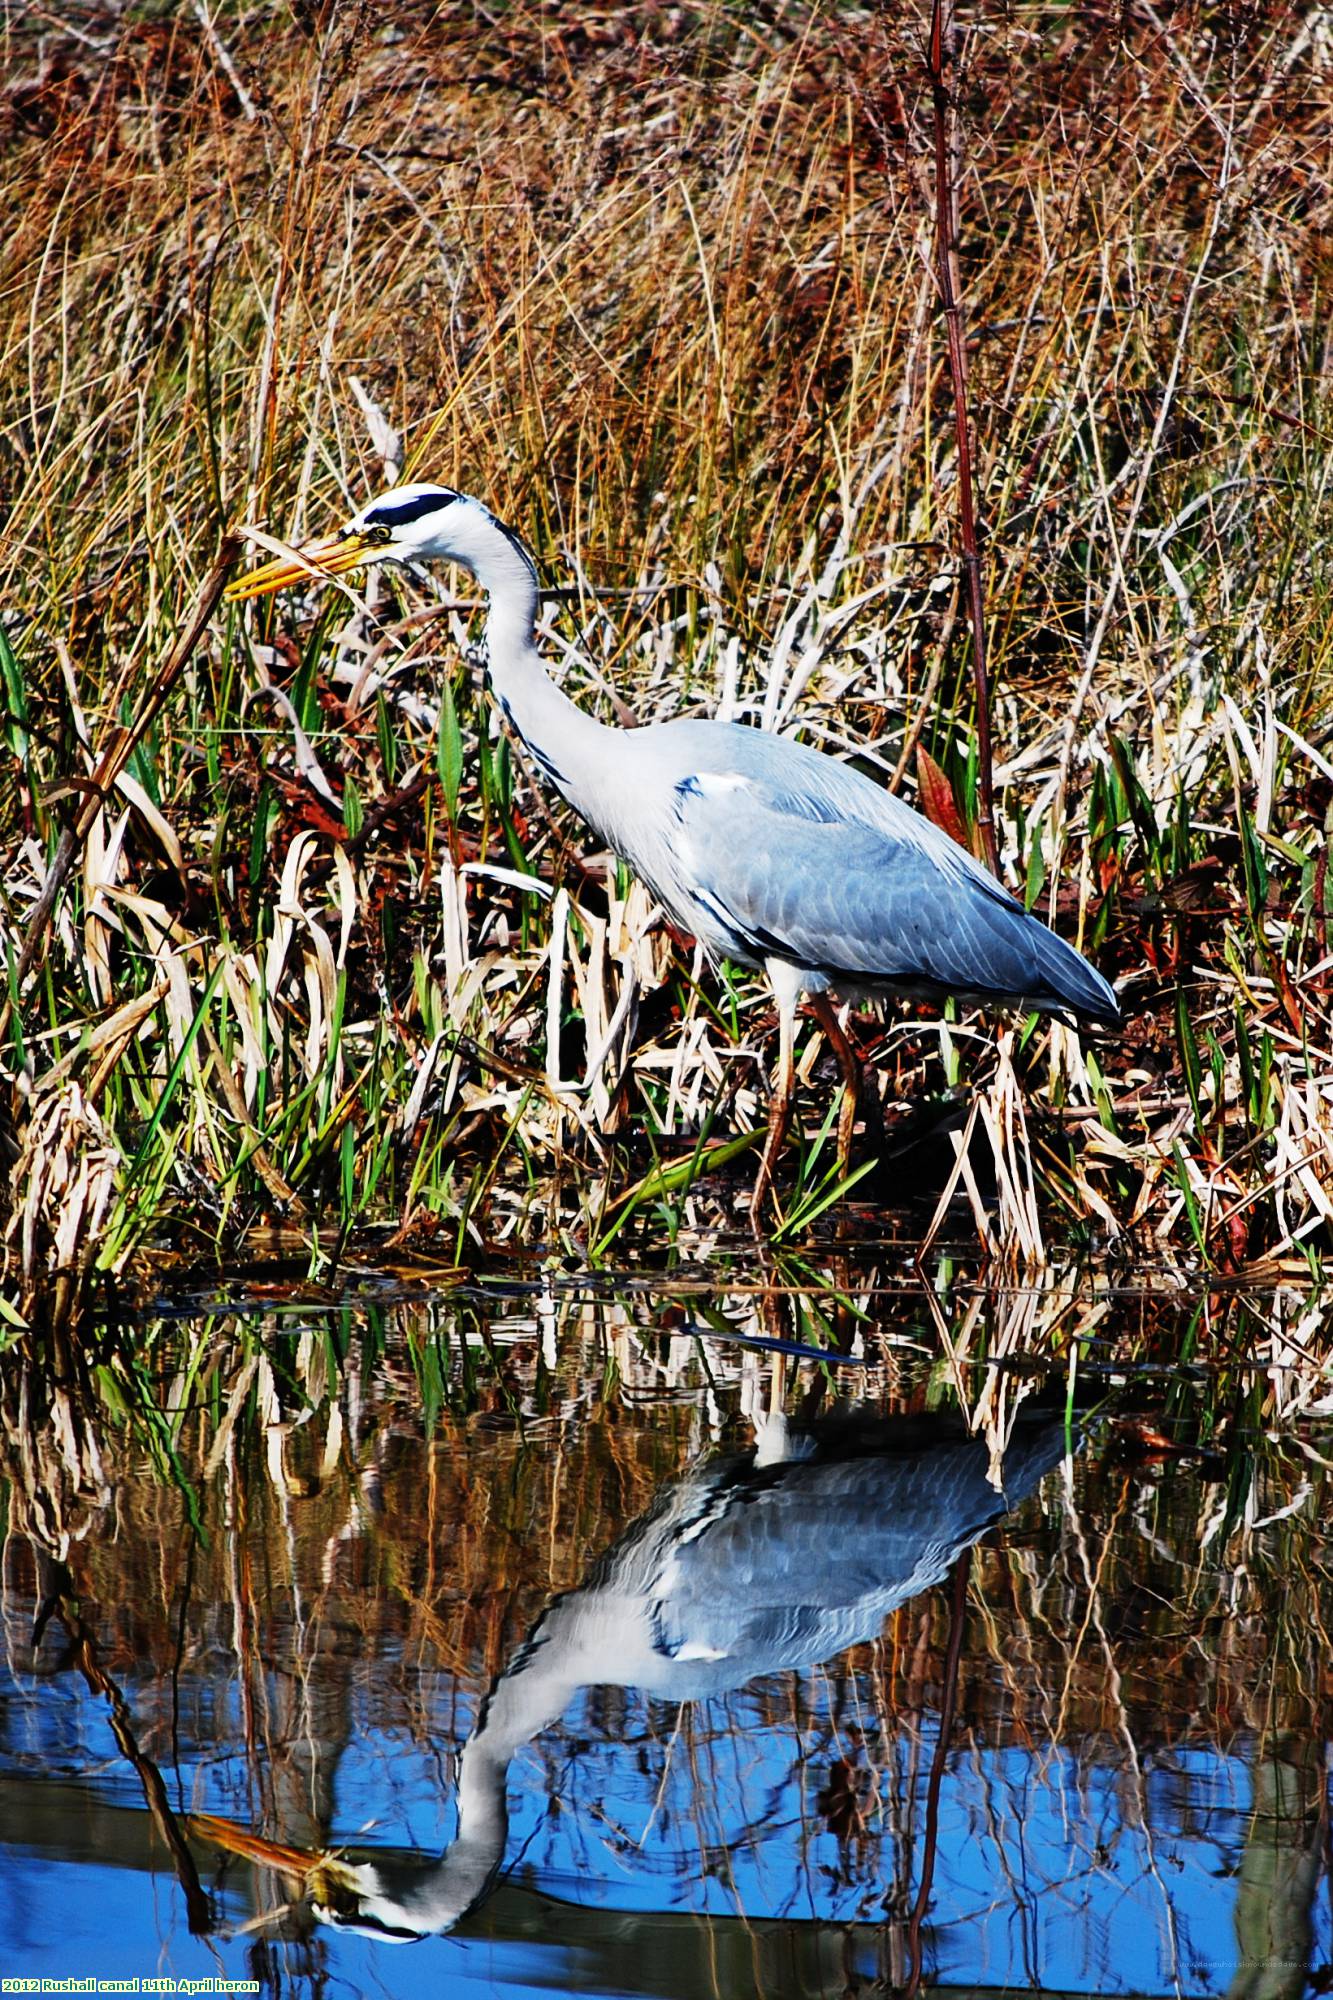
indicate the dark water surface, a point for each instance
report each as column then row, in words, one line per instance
column 612, row 1665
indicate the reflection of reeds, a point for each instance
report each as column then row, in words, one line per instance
column 51, row 1435
column 365, row 1573
column 358, row 1562
column 288, row 1440
column 673, row 314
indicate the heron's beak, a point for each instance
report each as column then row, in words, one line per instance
column 224, row 1833
column 316, row 559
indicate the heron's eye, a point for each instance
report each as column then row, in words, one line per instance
column 377, row 533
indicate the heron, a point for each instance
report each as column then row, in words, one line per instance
column 752, row 1563
column 769, row 852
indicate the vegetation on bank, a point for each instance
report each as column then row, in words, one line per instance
column 657, row 283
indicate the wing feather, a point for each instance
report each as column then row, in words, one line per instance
column 887, row 899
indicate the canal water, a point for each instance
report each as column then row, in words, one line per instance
column 518, row 1643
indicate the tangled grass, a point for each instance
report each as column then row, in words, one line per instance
column 658, row 284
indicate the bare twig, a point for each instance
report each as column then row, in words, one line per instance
column 61, row 1600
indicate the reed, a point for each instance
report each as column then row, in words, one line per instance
column 660, row 287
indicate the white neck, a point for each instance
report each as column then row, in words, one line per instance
column 523, row 1701
column 568, row 746
column 510, row 582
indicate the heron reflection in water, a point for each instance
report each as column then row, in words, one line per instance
column 762, row 1562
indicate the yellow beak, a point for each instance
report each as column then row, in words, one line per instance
column 234, row 1839
column 316, row 559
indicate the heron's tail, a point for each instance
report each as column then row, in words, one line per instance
column 1068, row 981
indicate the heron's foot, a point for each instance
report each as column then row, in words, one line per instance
column 854, row 1095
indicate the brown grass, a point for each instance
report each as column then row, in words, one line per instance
column 657, row 283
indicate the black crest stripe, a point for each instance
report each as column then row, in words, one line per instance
column 398, row 513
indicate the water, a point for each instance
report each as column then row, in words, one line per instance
column 510, row 1582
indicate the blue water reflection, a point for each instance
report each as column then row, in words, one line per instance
column 1133, row 1801
column 1044, row 1879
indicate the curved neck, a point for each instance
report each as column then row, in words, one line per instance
column 505, row 572
column 529, row 1695
column 437, row 1898
column 564, row 742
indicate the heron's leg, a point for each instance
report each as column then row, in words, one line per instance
column 849, row 1063
column 787, row 993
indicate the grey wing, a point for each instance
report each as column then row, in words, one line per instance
column 813, row 1557
column 888, row 899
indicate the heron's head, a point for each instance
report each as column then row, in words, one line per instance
column 383, row 1921
column 398, row 1899
column 409, row 524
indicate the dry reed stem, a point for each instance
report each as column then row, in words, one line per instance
column 690, row 353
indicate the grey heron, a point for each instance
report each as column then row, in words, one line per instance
column 770, row 853
column 760, row 1562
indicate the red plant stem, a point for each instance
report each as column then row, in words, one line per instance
column 939, row 64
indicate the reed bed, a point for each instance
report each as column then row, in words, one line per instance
column 322, row 957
